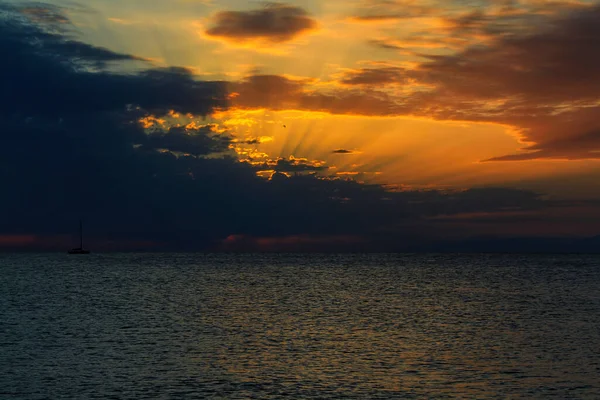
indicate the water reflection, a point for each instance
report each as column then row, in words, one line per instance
column 386, row 326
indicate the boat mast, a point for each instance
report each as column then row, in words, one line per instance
column 80, row 234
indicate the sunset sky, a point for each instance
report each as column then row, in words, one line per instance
column 300, row 125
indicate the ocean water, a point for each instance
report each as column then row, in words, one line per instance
column 196, row 326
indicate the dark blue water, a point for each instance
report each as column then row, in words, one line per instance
column 200, row 326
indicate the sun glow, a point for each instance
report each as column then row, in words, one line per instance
column 376, row 91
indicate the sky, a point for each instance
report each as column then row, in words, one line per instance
column 354, row 125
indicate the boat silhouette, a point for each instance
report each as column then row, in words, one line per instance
column 80, row 249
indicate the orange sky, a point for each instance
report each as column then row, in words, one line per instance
column 409, row 93
column 301, row 123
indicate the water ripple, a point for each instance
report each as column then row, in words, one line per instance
column 137, row 326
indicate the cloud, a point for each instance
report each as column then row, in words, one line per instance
column 258, row 91
column 50, row 73
column 198, row 141
column 544, row 82
column 344, row 151
column 69, row 133
column 584, row 146
column 44, row 13
column 282, row 93
column 274, row 23
column 72, row 146
column 531, row 67
column 554, row 63
column 386, row 44
column 290, row 165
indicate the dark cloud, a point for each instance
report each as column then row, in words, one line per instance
column 291, row 165
column 251, row 141
column 51, row 74
column 68, row 135
column 275, row 23
column 555, row 63
column 507, row 22
column 85, row 54
column 343, row 151
column 50, row 33
column 73, row 144
column 195, row 141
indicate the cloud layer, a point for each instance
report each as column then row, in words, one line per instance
column 131, row 154
column 532, row 67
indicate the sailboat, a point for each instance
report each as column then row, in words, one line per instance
column 80, row 249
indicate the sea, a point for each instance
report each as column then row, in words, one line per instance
column 299, row 326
